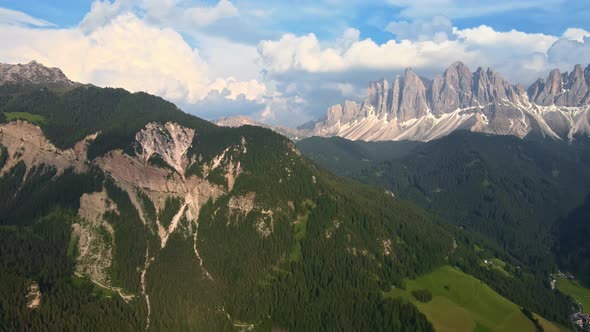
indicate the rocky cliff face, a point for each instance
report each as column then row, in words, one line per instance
column 416, row 108
column 169, row 141
column 33, row 73
column 567, row 89
column 142, row 181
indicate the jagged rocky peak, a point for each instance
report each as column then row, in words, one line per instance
column 452, row 90
column 411, row 96
column 458, row 76
column 413, row 103
column 491, row 87
column 33, row 73
column 574, row 89
column 343, row 113
column 377, row 96
column 417, row 108
column 334, row 114
column 350, row 111
column 567, row 89
column 554, row 82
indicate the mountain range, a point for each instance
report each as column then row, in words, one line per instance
column 412, row 107
column 417, row 108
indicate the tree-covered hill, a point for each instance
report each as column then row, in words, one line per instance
column 130, row 214
column 347, row 158
column 524, row 200
column 509, row 190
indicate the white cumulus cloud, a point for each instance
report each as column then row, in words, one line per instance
column 420, row 47
column 208, row 15
column 439, row 28
column 576, row 34
column 127, row 52
column 306, row 53
column 172, row 13
column 565, row 53
column 250, row 90
column 102, row 12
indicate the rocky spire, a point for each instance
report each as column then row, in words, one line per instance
column 452, row 90
column 574, row 90
column 377, row 96
column 413, row 102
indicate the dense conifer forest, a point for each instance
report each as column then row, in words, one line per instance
column 298, row 278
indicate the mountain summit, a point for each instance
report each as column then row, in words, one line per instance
column 417, row 108
column 33, row 73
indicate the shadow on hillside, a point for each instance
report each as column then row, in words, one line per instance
column 573, row 242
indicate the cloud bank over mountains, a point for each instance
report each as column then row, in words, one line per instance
column 217, row 58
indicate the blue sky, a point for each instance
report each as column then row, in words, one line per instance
column 552, row 18
column 286, row 62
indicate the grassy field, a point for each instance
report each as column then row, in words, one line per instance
column 33, row 118
column 497, row 264
column 300, row 230
column 576, row 291
column 550, row 326
column 95, row 289
column 463, row 303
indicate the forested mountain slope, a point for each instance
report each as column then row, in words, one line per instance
column 347, row 158
column 121, row 212
column 513, row 192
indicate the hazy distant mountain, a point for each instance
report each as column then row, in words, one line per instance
column 411, row 107
column 241, row 120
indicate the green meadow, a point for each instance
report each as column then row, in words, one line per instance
column 461, row 302
column 33, row 118
column 550, row 326
column 578, row 292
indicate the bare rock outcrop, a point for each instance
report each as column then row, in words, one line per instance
column 169, row 141
column 33, row 73
column 34, row 296
column 242, row 204
column 94, row 237
column 26, row 142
